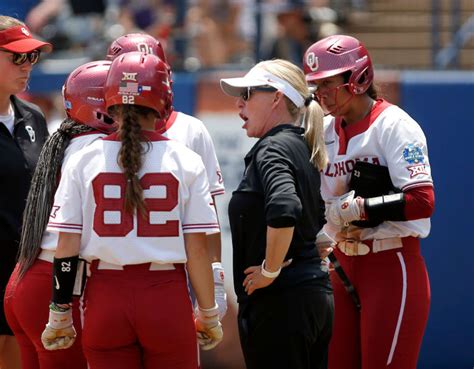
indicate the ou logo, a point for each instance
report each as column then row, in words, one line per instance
column 25, row 31
column 312, row 61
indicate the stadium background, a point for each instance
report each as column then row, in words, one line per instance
column 423, row 52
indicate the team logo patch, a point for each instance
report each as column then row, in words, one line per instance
column 413, row 154
column 25, row 31
column 344, row 205
column 312, row 61
column 129, row 76
column 417, row 170
column 31, row 132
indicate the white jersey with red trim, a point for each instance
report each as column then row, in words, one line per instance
column 50, row 239
column 389, row 137
column 192, row 132
column 90, row 200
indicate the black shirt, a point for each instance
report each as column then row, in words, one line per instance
column 280, row 188
column 18, row 157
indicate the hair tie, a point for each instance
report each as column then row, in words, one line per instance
column 309, row 99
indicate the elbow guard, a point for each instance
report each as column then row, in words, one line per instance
column 387, row 207
column 64, row 276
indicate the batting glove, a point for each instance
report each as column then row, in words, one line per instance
column 59, row 332
column 219, row 289
column 345, row 209
column 208, row 328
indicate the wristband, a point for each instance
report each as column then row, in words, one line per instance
column 268, row 274
column 64, row 276
column 209, row 312
column 59, row 319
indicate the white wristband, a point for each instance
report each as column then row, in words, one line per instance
column 268, row 274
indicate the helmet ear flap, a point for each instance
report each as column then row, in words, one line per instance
column 360, row 82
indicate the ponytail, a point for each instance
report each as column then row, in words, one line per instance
column 41, row 194
column 314, row 134
column 131, row 156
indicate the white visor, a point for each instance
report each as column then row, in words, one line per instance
column 257, row 77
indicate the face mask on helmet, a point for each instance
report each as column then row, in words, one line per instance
column 337, row 54
column 139, row 79
column 83, row 95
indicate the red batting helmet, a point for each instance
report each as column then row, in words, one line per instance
column 136, row 42
column 83, row 94
column 139, row 79
column 337, row 54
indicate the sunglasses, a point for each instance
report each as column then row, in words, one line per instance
column 245, row 95
column 21, row 58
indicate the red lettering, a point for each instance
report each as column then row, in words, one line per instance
column 341, row 168
column 328, row 173
column 144, row 228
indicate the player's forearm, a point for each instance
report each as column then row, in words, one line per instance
column 214, row 247
column 199, row 269
column 278, row 243
column 69, row 244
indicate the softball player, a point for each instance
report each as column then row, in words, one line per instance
column 137, row 206
column 381, row 255
column 191, row 132
column 30, row 283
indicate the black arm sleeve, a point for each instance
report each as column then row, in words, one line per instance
column 64, row 276
column 387, row 207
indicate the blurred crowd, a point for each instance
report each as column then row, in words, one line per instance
column 197, row 34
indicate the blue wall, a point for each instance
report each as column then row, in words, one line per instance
column 443, row 104
column 184, row 87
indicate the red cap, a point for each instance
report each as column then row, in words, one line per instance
column 19, row 40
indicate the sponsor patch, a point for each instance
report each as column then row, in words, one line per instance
column 413, row 154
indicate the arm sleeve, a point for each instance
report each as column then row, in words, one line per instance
column 419, row 203
column 282, row 204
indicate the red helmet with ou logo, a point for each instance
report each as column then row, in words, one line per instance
column 141, row 79
column 337, row 54
column 136, row 42
column 83, row 95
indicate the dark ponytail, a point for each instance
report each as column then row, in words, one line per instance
column 41, row 195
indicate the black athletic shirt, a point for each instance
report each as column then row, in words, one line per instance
column 280, row 188
column 18, row 157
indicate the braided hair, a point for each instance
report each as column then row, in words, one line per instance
column 41, row 195
column 130, row 156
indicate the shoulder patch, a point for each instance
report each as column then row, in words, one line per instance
column 413, row 154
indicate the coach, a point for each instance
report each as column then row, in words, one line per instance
column 22, row 134
column 283, row 290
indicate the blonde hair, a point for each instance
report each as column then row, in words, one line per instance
column 312, row 112
column 7, row 22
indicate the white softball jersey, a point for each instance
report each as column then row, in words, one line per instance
column 91, row 196
column 192, row 133
column 50, row 239
column 389, row 137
